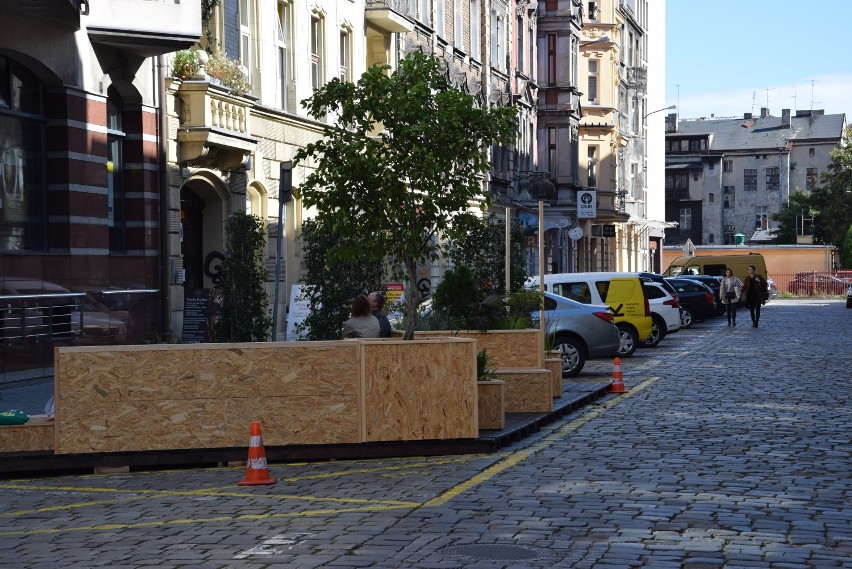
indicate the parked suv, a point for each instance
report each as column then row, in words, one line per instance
column 697, row 302
column 622, row 292
column 665, row 312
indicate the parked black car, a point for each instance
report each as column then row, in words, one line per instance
column 696, row 299
column 715, row 283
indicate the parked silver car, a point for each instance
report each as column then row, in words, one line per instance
column 580, row 331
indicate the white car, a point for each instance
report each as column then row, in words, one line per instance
column 665, row 313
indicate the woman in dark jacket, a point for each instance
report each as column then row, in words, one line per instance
column 754, row 294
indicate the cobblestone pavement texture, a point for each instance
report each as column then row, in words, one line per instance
column 731, row 449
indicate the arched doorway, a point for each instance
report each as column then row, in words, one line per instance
column 203, row 210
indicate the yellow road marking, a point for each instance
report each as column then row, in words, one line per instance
column 508, row 461
column 522, row 454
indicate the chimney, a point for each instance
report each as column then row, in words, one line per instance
column 671, row 123
column 746, row 116
column 764, row 112
column 785, row 118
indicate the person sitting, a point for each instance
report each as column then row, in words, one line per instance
column 362, row 324
column 377, row 302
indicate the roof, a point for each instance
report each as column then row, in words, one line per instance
column 731, row 134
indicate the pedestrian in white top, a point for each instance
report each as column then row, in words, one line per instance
column 730, row 293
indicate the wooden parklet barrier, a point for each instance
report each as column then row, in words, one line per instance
column 185, row 396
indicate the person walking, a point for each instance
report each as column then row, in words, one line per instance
column 754, row 294
column 377, row 302
column 730, row 292
column 362, row 324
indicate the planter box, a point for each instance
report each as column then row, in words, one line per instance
column 506, row 348
column 555, row 367
column 183, row 396
column 491, row 404
column 528, row 390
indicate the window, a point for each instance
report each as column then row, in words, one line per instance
column 457, row 24
column 22, row 155
column 116, row 218
column 634, row 109
column 695, row 145
column 728, row 192
column 592, row 153
column 345, row 55
column 425, row 12
column 593, row 10
column 695, row 176
column 551, row 151
column 474, row 29
column 592, row 90
column 750, row 179
column 245, row 35
column 712, row 197
column 316, row 56
column 727, row 165
column 520, row 36
column 439, row 18
column 773, row 179
column 551, row 59
column 284, row 38
column 811, row 151
column 497, row 47
column 811, row 178
column 761, row 214
column 685, row 218
column 677, row 185
column 711, row 166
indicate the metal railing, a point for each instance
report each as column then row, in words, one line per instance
column 40, row 316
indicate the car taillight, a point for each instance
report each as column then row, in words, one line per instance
column 710, row 298
column 673, row 302
column 647, row 307
column 604, row 316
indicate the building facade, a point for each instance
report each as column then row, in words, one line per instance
column 727, row 177
column 82, row 158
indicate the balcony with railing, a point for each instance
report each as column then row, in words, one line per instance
column 214, row 118
column 394, row 16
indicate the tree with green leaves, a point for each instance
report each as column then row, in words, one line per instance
column 330, row 283
column 402, row 159
column 244, row 311
column 829, row 205
column 479, row 243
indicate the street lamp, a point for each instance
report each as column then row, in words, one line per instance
column 670, row 107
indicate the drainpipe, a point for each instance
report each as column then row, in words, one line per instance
column 164, row 199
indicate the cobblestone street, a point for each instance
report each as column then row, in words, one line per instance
column 730, row 449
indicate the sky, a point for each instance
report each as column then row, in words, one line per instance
column 729, row 57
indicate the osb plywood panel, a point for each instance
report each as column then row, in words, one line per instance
column 420, row 389
column 555, row 367
column 492, row 410
column 506, row 348
column 205, row 395
column 35, row 434
column 527, row 390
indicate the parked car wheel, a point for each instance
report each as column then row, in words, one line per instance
column 657, row 333
column 628, row 341
column 573, row 355
column 686, row 317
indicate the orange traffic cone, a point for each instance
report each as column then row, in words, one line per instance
column 617, row 385
column 256, row 471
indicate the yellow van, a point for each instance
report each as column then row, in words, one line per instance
column 622, row 292
column 716, row 265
